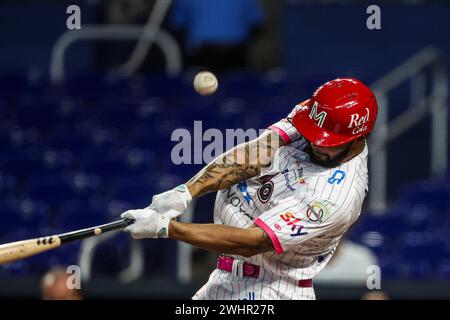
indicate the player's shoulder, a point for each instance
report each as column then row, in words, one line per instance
column 354, row 169
column 344, row 189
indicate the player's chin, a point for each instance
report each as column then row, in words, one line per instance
column 325, row 161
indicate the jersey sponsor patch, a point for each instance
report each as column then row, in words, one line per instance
column 232, row 196
column 318, row 211
column 294, row 222
column 266, row 190
column 298, row 172
column 242, row 187
column 336, row 177
column 287, row 180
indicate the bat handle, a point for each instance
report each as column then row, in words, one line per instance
column 94, row 231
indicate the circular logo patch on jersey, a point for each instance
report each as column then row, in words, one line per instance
column 265, row 191
column 318, row 211
column 314, row 213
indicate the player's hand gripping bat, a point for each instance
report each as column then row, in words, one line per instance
column 14, row 251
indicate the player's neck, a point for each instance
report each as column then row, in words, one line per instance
column 355, row 150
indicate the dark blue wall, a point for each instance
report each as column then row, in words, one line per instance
column 334, row 39
column 28, row 32
column 323, row 42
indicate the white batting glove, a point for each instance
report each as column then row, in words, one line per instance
column 148, row 224
column 172, row 203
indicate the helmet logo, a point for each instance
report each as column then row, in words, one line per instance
column 320, row 118
column 358, row 122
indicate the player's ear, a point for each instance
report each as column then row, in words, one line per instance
column 361, row 139
column 364, row 137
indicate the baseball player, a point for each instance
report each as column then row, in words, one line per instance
column 278, row 215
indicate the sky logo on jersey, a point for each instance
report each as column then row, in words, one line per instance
column 293, row 221
column 242, row 187
column 318, row 211
column 337, row 176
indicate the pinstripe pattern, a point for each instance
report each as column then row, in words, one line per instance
column 303, row 243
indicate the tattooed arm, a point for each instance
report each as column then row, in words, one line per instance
column 222, row 239
column 239, row 163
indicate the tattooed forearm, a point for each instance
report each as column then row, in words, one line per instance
column 240, row 163
column 216, row 177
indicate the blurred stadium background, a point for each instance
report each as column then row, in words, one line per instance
column 86, row 118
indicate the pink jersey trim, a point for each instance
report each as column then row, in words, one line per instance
column 282, row 134
column 271, row 234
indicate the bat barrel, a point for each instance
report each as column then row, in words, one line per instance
column 14, row 251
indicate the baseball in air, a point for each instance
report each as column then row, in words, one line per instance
column 205, row 83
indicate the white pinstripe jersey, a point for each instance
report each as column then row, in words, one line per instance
column 304, row 208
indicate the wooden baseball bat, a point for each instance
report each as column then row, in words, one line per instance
column 10, row 252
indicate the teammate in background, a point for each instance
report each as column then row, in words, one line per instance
column 375, row 295
column 281, row 211
column 350, row 264
column 54, row 286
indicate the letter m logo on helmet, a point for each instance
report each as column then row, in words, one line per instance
column 339, row 112
column 320, row 118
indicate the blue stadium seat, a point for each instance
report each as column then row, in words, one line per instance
column 12, row 85
column 415, row 246
column 8, row 184
column 118, row 117
column 160, row 257
column 443, row 269
column 388, row 225
column 71, row 111
column 166, row 87
column 94, row 86
column 421, row 218
column 51, row 188
column 34, row 214
column 5, row 139
column 112, row 256
column 148, row 137
column 434, row 195
column 42, row 117
column 106, row 138
column 10, row 219
column 68, row 138
column 115, row 208
column 133, row 189
column 149, row 108
column 165, row 181
column 244, row 85
column 57, row 160
column 102, row 164
column 139, row 160
column 393, row 269
column 63, row 257
column 76, row 214
column 23, row 138
column 85, row 185
column 21, row 163
column 141, row 198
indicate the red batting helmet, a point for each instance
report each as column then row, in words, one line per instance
column 340, row 111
